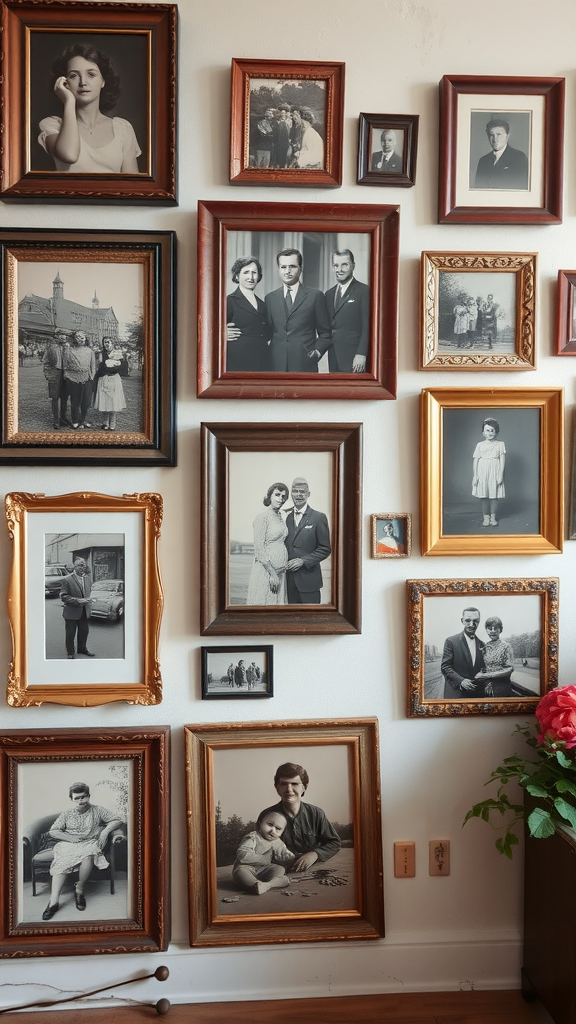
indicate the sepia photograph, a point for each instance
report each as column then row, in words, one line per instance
column 85, row 573
column 280, row 541
column 236, row 673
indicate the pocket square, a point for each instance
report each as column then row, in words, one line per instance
column 351, row 300
column 310, row 527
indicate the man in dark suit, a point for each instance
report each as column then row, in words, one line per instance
column 504, row 167
column 75, row 591
column 463, row 659
column 308, row 544
column 299, row 320
column 388, row 159
column 348, row 304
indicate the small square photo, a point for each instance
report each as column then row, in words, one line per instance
column 232, row 673
column 391, row 535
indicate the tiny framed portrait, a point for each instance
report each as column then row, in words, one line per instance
column 287, row 123
column 88, row 347
column 284, row 837
column 89, row 831
column 501, row 150
column 237, row 673
column 478, row 311
column 105, row 71
column 391, row 535
column 297, row 300
column 491, row 475
column 101, row 603
column 387, row 149
column 566, row 314
column 481, row 647
column 286, row 559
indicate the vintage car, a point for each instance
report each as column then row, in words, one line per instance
column 107, row 599
column 52, row 578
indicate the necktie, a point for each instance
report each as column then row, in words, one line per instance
column 289, row 298
column 339, row 295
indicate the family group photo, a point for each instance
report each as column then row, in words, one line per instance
column 74, row 830
column 280, row 530
column 482, row 647
column 237, row 672
column 476, row 312
column 297, row 302
column 84, row 596
column 287, row 123
column 285, row 841
column 80, row 347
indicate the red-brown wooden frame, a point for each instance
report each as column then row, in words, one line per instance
column 566, row 282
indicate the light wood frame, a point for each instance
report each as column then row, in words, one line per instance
column 468, row 591
column 23, row 691
column 366, row 921
column 549, row 401
column 565, row 312
column 523, row 266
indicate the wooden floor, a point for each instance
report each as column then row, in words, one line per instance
column 421, row 1008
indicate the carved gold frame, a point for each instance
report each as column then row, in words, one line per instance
column 469, row 591
column 23, row 693
column 551, row 405
column 523, row 265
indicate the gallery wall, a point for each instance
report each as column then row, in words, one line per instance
column 460, row 931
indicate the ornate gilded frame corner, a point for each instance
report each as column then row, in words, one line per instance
column 550, row 536
column 471, row 592
column 22, row 690
column 406, row 539
column 310, row 921
column 523, row 266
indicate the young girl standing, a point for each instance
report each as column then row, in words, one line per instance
column 488, row 464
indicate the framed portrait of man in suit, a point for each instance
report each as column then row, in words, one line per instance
column 280, row 528
column 387, row 149
column 297, row 301
column 501, row 150
column 481, row 647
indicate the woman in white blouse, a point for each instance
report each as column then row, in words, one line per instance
column 85, row 139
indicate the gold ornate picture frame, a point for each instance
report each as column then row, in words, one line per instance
column 501, row 494
column 478, row 311
column 97, row 555
column 514, row 665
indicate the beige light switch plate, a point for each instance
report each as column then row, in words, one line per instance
column 439, row 857
column 404, row 860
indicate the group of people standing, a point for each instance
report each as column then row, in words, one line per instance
column 286, row 137
column 72, row 376
column 242, row 675
column 294, row 326
column 475, row 320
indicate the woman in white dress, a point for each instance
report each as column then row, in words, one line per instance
column 109, row 391
column 82, row 833
column 312, row 150
column 85, row 139
column 267, row 584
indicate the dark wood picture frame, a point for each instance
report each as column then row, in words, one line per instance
column 368, row 126
column 233, row 688
column 158, row 24
column 424, row 657
column 298, row 921
column 331, row 74
column 343, row 441
column 155, row 251
column 548, row 404
column 147, row 929
column 379, row 223
column 548, row 210
column 566, row 313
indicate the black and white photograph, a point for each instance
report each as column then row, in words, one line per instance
column 391, row 535
column 84, row 596
column 287, row 123
column 298, row 302
column 477, row 312
column 283, row 818
column 237, row 673
column 80, row 346
column 74, row 826
column 491, row 471
column 279, row 530
column 387, row 150
column 482, row 646
column 90, row 102
column 500, row 149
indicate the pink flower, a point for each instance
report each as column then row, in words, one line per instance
column 556, row 714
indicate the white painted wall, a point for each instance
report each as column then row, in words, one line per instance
column 446, row 933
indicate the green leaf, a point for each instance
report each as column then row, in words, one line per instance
column 566, row 762
column 537, row 790
column 564, row 786
column 541, row 824
column 566, row 810
column 505, row 843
